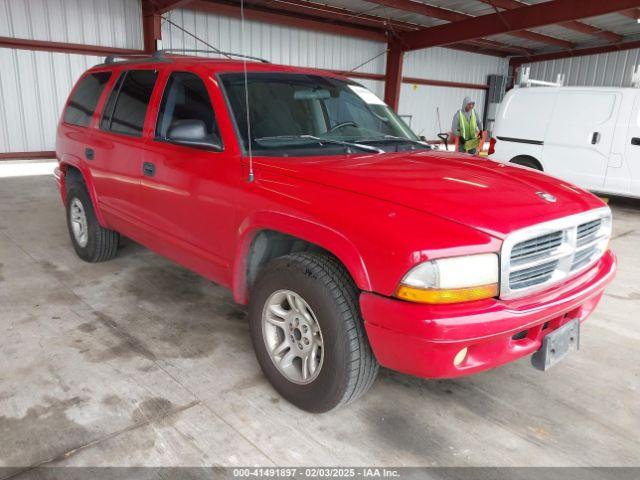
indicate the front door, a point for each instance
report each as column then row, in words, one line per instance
column 186, row 189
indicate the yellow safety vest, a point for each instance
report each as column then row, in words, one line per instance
column 468, row 130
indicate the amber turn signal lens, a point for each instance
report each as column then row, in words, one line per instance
column 455, row 295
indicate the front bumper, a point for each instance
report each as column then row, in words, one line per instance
column 423, row 340
column 58, row 175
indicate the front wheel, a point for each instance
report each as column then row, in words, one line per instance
column 308, row 334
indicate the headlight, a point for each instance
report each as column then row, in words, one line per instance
column 452, row 280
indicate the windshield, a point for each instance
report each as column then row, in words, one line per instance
column 303, row 114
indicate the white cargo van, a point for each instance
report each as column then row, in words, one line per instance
column 588, row 136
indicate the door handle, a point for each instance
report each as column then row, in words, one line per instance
column 635, row 141
column 89, row 153
column 595, row 138
column 149, row 169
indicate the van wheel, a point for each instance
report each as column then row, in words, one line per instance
column 308, row 333
column 91, row 242
column 527, row 162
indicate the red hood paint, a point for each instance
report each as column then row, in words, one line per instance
column 489, row 196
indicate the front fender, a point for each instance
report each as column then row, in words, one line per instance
column 302, row 228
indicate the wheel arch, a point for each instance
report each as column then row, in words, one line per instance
column 527, row 158
column 68, row 165
column 269, row 235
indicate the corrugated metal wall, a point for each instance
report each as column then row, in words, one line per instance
column 613, row 69
column 452, row 65
column 424, row 103
column 35, row 85
column 112, row 23
column 33, row 89
column 276, row 43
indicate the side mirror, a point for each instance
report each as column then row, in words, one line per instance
column 423, row 138
column 445, row 139
column 192, row 132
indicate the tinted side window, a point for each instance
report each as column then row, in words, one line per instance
column 85, row 98
column 107, row 112
column 186, row 98
column 128, row 103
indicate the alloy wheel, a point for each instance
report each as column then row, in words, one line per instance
column 79, row 224
column 292, row 336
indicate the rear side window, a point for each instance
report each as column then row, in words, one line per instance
column 127, row 106
column 85, row 98
column 186, row 98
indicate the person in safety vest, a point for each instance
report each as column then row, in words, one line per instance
column 467, row 126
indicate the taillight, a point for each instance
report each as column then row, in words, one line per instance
column 492, row 146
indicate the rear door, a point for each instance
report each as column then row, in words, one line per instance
column 578, row 142
column 618, row 180
column 632, row 157
column 117, row 146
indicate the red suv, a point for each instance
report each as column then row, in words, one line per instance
column 353, row 243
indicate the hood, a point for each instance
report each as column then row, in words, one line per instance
column 486, row 195
column 467, row 101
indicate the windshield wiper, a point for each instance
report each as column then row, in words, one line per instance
column 319, row 140
column 401, row 139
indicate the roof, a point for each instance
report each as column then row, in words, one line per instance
column 622, row 24
column 395, row 17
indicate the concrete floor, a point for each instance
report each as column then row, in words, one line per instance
column 140, row 362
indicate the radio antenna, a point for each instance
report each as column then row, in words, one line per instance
column 246, row 92
column 194, row 36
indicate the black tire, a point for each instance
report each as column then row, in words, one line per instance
column 527, row 162
column 102, row 243
column 349, row 367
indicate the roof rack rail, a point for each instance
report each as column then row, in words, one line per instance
column 111, row 58
column 160, row 54
column 163, row 53
column 525, row 81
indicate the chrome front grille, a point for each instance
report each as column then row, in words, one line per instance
column 532, row 275
column 588, row 231
column 583, row 257
column 525, row 251
column 542, row 255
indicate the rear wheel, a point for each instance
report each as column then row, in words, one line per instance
column 527, row 162
column 92, row 242
column 308, row 334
